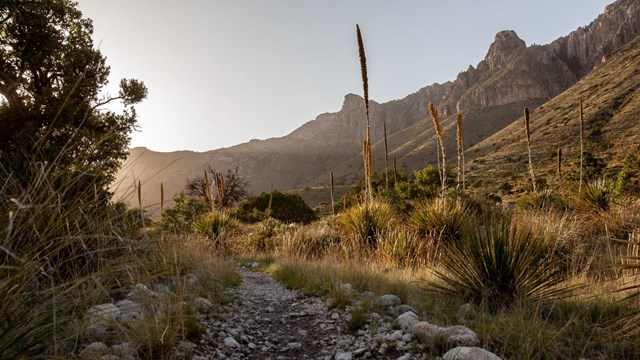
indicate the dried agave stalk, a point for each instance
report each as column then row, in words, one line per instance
column 581, row 143
column 460, row 185
column 366, row 151
column 436, row 123
column 386, row 157
column 528, row 133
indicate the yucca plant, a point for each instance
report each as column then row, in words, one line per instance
column 215, row 225
column 444, row 221
column 497, row 264
column 594, row 196
column 365, row 224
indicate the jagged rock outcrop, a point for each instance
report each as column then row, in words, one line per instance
column 491, row 95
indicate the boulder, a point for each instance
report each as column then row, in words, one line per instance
column 469, row 353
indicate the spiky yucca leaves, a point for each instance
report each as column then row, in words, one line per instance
column 443, row 221
column 528, row 134
column 627, row 325
column 364, row 225
column 216, row 225
column 595, row 196
column 403, row 247
column 436, row 124
column 366, row 151
column 499, row 263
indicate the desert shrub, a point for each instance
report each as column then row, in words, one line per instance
column 185, row 211
column 628, row 179
column 595, row 196
column 287, row 208
column 265, row 236
column 364, row 225
column 497, row 264
column 310, row 242
column 441, row 220
column 216, row 225
column 403, row 247
column 544, row 199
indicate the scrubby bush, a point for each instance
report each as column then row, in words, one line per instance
column 443, row 220
column 287, row 208
column 216, row 225
column 594, row 196
column 185, row 210
column 364, row 225
column 499, row 263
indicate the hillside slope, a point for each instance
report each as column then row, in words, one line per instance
column 491, row 95
column 611, row 99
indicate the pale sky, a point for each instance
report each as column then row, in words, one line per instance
column 223, row 72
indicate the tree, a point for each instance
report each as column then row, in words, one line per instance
column 233, row 187
column 288, row 208
column 51, row 106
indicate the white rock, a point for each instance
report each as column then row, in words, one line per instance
column 395, row 336
column 201, row 304
column 343, row 356
column 469, row 353
column 125, row 350
column 102, row 313
column 129, row 311
column 141, row 293
column 407, row 320
column 254, row 265
column 231, row 342
column 346, row 287
column 402, row 309
column 389, row 300
column 405, row 357
column 294, row 346
column 94, row 351
column 459, row 335
column 425, row 331
column 335, row 316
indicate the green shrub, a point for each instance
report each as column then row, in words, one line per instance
column 497, row 264
column 287, row 208
column 185, row 210
column 544, row 199
column 365, row 225
column 594, row 196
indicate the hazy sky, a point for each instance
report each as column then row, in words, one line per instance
column 223, row 72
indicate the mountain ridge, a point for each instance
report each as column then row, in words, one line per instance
column 491, row 95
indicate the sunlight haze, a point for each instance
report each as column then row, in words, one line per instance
column 221, row 73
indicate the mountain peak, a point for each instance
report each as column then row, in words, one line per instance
column 505, row 44
column 352, row 101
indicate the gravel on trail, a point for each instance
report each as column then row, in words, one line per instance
column 267, row 321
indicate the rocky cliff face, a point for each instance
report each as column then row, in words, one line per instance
column 491, row 95
column 512, row 72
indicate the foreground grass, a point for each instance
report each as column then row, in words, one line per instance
column 571, row 328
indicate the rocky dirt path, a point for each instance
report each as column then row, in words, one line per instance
column 267, row 321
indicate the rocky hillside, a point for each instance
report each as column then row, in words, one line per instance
column 611, row 104
column 491, row 95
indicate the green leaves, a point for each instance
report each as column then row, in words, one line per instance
column 498, row 263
